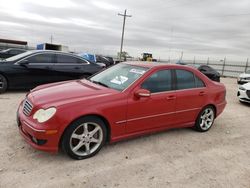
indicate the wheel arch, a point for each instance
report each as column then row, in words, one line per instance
column 7, row 79
column 105, row 121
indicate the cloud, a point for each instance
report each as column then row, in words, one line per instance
column 163, row 27
column 104, row 5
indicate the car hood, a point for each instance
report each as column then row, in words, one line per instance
column 244, row 75
column 64, row 92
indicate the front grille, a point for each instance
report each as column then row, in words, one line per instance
column 248, row 93
column 27, row 107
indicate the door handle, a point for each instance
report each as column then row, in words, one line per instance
column 77, row 68
column 202, row 93
column 171, row 97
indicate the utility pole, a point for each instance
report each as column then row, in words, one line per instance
column 181, row 56
column 51, row 39
column 123, row 28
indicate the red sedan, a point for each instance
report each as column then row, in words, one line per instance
column 126, row 100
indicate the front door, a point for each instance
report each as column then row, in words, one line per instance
column 36, row 71
column 155, row 111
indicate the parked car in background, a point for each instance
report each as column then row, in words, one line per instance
column 208, row 71
column 11, row 52
column 106, row 60
column 99, row 59
column 244, row 93
column 33, row 68
column 244, row 77
column 123, row 101
column 92, row 58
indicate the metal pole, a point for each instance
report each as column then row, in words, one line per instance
column 181, row 56
column 123, row 28
column 246, row 65
column 207, row 60
column 194, row 60
column 51, row 39
column 223, row 68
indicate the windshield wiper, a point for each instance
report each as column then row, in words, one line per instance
column 100, row 83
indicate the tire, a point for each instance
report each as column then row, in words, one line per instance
column 3, row 84
column 205, row 119
column 84, row 138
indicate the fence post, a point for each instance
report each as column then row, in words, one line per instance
column 223, row 67
column 207, row 60
column 246, row 65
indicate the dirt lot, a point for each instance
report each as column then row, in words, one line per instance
column 176, row 158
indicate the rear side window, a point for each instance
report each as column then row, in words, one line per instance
column 199, row 82
column 185, row 80
column 41, row 58
column 158, row 82
column 67, row 59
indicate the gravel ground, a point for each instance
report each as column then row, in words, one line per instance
column 175, row 158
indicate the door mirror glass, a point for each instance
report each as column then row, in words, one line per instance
column 142, row 93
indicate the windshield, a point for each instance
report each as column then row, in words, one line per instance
column 119, row 77
column 19, row 56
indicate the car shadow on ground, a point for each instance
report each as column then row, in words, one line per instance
column 110, row 148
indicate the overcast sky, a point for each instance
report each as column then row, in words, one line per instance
column 199, row 28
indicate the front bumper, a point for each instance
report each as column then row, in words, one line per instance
column 39, row 138
column 243, row 96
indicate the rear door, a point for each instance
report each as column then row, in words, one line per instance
column 155, row 111
column 69, row 67
column 191, row 96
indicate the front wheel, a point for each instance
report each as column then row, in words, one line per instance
column 84, row 138
column 205, row 119
column 3, row 84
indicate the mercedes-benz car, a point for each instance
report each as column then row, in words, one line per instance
column 123, row 101
column 33, row 68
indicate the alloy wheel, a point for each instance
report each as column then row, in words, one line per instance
column 86, row 139
column 206, row 119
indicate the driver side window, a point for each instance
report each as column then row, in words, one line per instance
column 159, row 81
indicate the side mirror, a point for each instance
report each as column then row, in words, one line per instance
column 142, row 93
column 24, row 62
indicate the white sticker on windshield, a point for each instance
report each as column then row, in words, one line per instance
column 119, row 80
column 137, row 71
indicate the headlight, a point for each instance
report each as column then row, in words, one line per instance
column 44, row 115
column 242, row 88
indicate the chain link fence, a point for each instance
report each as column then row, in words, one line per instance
column 224, row 67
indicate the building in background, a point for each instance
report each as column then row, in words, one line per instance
column 57, row 47
column 7, row 43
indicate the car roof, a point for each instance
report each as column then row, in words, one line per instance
column 53, row 51
column 156, row 64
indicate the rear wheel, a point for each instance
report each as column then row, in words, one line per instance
column 84, row 138
column 3, row 84
column 205, row 119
